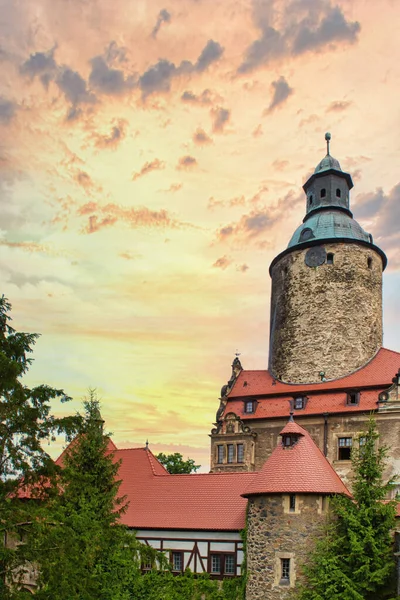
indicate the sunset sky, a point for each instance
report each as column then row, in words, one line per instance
column 152, row 155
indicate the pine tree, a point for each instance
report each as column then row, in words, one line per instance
column 82, row 550
column 354, row 560
column 25, row 423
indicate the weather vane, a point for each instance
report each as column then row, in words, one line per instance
column 328, row 139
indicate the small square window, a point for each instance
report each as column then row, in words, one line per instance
column 353, row 398
column 249, row 406
column 231, row 453
column 220, row 454
column 216, row 563
column 177, row 561
column 329, row 258
column 344, row 448
column 240, row 453
column 285, row 571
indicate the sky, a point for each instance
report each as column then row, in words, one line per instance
column 152, row 157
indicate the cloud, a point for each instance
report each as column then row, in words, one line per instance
column 338, row 106
column 158, row 77
column 148, row 167
column 281, row 92
column 163, row 17
column 259, row 220
column 220, row 118
column 205, row 98
column 108, row 80
column 112, row 140
column 222, row 263
column 308, row 27
column 333, row 27
column 42, row 65
column 8, row 109
column 242, row 268
column 257, row 131
column 210, row 53
column 74, row 87
column 102, row 216
column 86, row 182
column 280, row 165
column 174, row 187
column 200, row 138
column 187, row 162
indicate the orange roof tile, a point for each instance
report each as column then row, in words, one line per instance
column 301, row 468
column 158, row 500
column 379, row 371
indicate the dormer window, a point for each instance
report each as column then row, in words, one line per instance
column 306, row 234
column 289, row 440
column 323, row 193
column 249, row 406
column 353, row 398
column 299, row 402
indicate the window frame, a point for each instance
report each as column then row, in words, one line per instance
column 330, row 258
column 285, row 571
column 220, row 454
column 342, row 447
column 240, row 455
column 174, row 553
column 249, row 404
column 230, row 454
column 222, row 556
column 353, row 398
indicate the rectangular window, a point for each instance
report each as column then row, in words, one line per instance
column 353, row 398
column 249, row 406
column 220, row 454
column 240, row 453
column 229, row 564
column 292, row 502
column 299, row 403
column 344, row 448
column 177, row 561
column 285, row 571
column 231, row 453
column 216, row 564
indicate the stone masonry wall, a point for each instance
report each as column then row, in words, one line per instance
column 274, row 533
column 326, row 318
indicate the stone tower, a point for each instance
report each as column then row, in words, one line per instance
column 288, row 502
column 326, row 300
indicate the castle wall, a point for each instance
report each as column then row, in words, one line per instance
column 326, row 318
column 274, row 534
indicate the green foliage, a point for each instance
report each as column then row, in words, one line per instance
column 82, row 550
column 354, row 560
column 25, row 423
column 163, row 585
column 175, row 464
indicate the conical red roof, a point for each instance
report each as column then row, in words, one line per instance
column 300, row 468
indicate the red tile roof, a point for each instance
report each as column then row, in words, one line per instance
column 161, row 501
column 317, row 403
column 301, row 468
column 378, row 372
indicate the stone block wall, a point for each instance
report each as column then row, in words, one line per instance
column 326, row 318
column 274, row 534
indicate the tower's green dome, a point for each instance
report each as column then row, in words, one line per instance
column 329, row 224
column 327, row 163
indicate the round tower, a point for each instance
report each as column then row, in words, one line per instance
column 326, row 298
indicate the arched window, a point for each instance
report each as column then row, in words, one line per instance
column 323, row 193
column 338, row 193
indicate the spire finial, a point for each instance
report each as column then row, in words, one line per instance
column 328, row 139
column 291, row 413
column 147, row 444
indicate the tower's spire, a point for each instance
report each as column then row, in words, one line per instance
column 328, row 139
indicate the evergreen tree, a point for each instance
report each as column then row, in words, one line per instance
column 25, row 423
column 354, row 560
column 82, row 550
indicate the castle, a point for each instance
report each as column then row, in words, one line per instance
column 282, row 440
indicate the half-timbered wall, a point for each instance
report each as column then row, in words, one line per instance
column 202, row 551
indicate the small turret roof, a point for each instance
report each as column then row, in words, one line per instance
column 327, row 163
column 300, row 468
